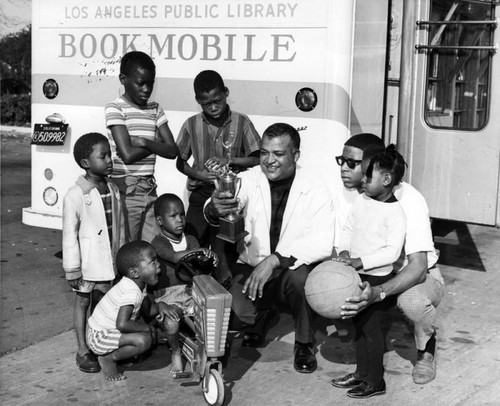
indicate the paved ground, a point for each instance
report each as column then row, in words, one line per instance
column 36, row 308
column 35, row 298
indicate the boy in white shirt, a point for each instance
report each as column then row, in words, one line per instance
column 115, row 330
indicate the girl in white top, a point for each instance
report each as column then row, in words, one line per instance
column 372, row 240
column 374, row 232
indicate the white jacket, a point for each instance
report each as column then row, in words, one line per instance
column 307, row 231
column 87, row 252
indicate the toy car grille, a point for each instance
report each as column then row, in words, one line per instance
column 212, row 312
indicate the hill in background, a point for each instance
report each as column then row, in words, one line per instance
column 14, row 16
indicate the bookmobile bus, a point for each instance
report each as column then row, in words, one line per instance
column 420, row 73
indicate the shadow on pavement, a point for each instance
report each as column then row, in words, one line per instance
column 456, row 245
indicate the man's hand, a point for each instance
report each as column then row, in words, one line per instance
column 223, row 203
column 356, row 304
column 259, row 277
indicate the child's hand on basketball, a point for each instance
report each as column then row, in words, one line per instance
column 343, row 255
column 356, row 263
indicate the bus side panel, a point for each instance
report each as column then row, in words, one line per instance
column 266, row 52
column 369, row 66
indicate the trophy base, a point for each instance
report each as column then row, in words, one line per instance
column 232, row 230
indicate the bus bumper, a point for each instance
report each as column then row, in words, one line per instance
column 39, row 219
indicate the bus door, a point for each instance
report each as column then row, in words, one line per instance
column 453, row 147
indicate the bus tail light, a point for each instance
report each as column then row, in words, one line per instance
column 50, row 196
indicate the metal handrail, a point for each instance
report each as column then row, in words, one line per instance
column 492, row 48
column 463, row 22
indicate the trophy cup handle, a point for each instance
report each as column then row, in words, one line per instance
column 217, row 186
column 237, row 187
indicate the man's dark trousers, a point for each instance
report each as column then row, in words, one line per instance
column 285, row 287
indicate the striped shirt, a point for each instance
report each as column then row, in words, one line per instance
column 203, row 140
column 124, row 293
column 106, row 202
column 139, row 122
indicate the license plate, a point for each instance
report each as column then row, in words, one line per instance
column 49, row 134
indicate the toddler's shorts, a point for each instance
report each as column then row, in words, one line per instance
column 102, row 342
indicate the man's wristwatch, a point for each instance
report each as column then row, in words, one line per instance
column 382, row 294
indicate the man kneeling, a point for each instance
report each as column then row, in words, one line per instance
column 289, row 219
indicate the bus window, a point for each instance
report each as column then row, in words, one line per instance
column 459, row 62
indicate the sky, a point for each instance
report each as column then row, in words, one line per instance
column 14, row 16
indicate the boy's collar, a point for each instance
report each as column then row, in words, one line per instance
column 172, row 240
column 86, row 185
column 127, row 99
column 224, row 120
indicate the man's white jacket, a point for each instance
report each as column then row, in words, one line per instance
column 307, row 231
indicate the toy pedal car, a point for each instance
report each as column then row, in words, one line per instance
column 205, row 338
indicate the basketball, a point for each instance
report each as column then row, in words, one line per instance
column 329, row 285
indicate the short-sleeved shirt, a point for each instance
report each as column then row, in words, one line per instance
column 202, row 140
column 124, row 293
column 139, row 122
column 418, row 229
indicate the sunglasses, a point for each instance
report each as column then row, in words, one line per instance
column 351, row 163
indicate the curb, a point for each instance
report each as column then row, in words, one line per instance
column 15, row 132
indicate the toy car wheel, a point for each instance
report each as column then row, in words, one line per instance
column 213, row 388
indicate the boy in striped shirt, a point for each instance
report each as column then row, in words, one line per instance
column 138, row 131
column 207, row 137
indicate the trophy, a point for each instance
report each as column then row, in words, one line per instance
column 231, row 226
